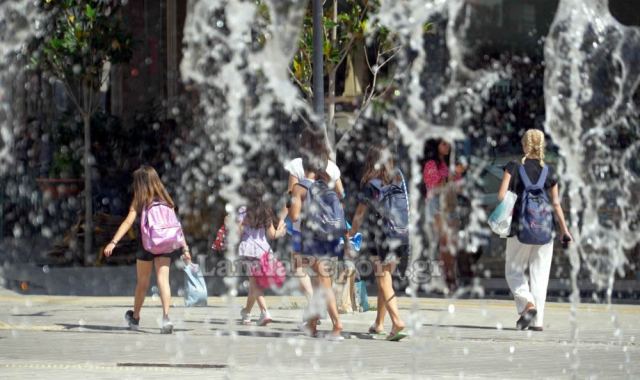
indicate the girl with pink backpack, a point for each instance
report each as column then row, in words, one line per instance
column 161, row 235
column 257, row 223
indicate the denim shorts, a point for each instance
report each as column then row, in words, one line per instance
column 296, row 241
column 314, row 247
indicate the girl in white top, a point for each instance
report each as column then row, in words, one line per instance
column 312, row 141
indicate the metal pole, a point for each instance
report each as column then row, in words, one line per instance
column 318, row 61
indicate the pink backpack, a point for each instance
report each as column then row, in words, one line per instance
column 160, row 229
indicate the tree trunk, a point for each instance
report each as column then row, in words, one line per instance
column 88, row 193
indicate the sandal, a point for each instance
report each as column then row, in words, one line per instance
column 373, row 331
column 397, row 336
column 526, row 317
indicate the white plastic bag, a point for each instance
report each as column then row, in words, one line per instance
column 195, row 289
column 500, row 218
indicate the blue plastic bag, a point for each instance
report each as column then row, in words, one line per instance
column 500, row 219
column 195, row 289
column 361, row 295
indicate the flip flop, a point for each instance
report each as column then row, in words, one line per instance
column 397, row 336
column 335, row 338
column 373, row 331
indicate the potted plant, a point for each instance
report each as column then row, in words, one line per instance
column 65, row 170
column 82, row 37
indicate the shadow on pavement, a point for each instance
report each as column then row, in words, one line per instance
column 38, row 314
column 472, row 327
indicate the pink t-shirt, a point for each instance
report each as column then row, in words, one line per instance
column 434, row 174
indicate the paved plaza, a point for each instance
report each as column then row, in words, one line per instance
column 57, row 337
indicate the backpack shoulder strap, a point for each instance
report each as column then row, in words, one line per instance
column 376, row 183
column 524, row 177
column 305, row 182
column 543, row 177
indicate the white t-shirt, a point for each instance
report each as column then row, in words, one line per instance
column 295, row 168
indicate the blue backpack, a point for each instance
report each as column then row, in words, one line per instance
column 536, row 217
column 392, row 204
column 323, row 218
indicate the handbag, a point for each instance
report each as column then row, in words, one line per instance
column 500, row 219
column 219, row 244
column 268, row 271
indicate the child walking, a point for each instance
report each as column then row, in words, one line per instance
column 257, row 223
column 148, row 190
column 383, row 190
column 312, row 142
column 530, row 243
column 317, row 206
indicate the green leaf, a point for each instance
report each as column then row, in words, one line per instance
column 90, row 12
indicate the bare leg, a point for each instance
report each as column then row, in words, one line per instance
column 162, row 276
column 251, row 299
column 322, row 268
column 381, row 304
column 143, row 279
column 258, row 295
column 390, row 297
column 301, row 274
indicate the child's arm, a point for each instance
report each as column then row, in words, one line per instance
column 292, row 183
column 358, row 217
column 340, row 189
column 275, row 233
column 295, row 207
column 124, row 227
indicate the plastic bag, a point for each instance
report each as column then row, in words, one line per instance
column 362, row 298
column 195, row 289
column 500, row 218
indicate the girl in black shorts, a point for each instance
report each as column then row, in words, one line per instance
column 386, row 252
column 147, row 188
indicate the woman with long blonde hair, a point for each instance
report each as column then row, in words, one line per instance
column 530, row 293
column 147, row 189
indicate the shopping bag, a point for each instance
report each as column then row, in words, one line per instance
column 500, row 218
column 343, row 288
column 361, row 295
column 195, row 289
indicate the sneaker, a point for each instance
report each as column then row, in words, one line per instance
column 133, row 323
column 245, row 317
column 167, row 326
column 265, row 319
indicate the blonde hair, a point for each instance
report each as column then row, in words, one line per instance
column 533, row 145
column 147, row 187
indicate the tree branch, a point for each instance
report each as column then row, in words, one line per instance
column 308, row 92
column 369, row 92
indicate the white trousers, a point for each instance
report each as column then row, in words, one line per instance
column 534, row 287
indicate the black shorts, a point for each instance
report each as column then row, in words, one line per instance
column 375, row 243
column 387, row 254
column 143, row 255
